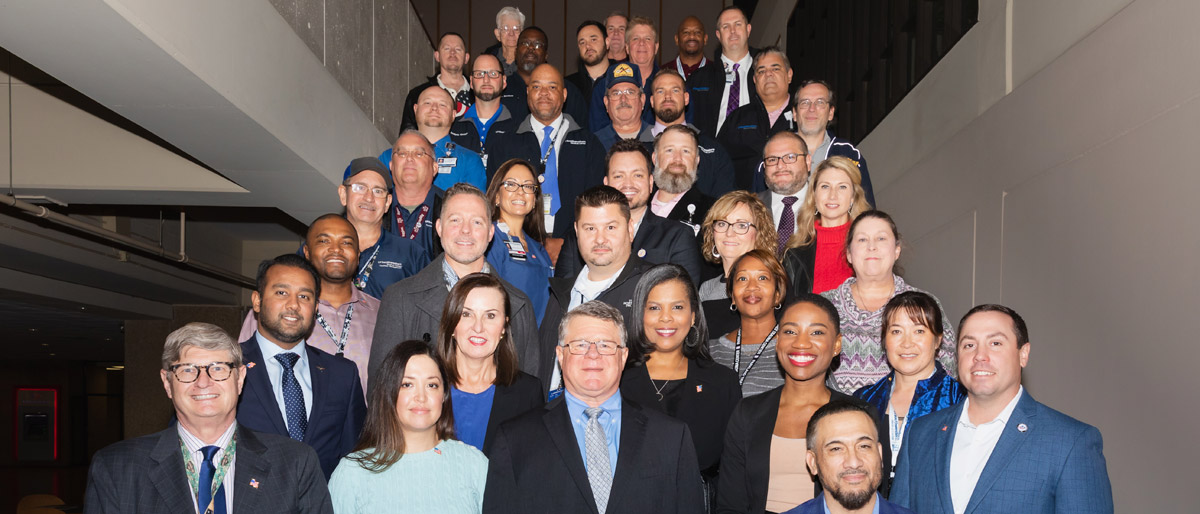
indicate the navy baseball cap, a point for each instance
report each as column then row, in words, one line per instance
column 623, row 72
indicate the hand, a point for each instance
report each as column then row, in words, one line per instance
column 553, row 247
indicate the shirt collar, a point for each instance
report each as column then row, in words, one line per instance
column 466, row 85
column 745, row 63
column 611, row 406
column 270, row 350
column 356, row 296
column 540, row 128
column 965, row 420
column 194, row 444
column 451, row 278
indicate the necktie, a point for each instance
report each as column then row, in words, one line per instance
column 204, row 492
column 550, row 184
column 293, row 397
column 787, row 223
column 598, row 470
column 735, row 90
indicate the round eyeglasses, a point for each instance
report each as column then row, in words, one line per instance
column 188, row 373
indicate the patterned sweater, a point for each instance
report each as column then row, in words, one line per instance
column 863, row 361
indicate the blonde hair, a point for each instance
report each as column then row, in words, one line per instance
column 766, row 239
column 806, row 230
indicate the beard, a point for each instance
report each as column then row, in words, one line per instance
column 596, row 59
column 673, row 179
column 275, row 327
column 487, row 97
column 785, row 189
column 854, row 500
column 668, row 115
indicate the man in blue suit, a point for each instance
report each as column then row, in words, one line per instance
column 1000, row 450
column 293, row 389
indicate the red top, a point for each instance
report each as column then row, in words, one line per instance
column 831, row 267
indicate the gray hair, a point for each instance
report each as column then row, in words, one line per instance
column 594, row 309
column 204, row 336
column 771, row 50
column 413, row 131
column 511, row 12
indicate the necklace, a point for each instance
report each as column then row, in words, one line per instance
column 659, row 390
column 856, row 293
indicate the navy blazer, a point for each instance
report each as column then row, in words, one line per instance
column 146, row 475
column 581, row 162
column 817, row 506
column 657, row 241
column 536, row 466
column 1045, row 462
column 338, row 407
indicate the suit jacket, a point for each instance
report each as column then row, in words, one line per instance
column 707, row 398
column 706, row 88
column 536, row 466
column 694, row 218
column 581, row 162
column 146, row 475
column 510, row 401
column 412, row 309
column 338, row 406
column 817, row 506
column 744, row 135
column 618, row 295
column 657, row 241
column 1055, row 465
column 746, row 462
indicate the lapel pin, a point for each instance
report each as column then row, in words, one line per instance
column 320, row 368
column 250, row 364
column 254, row 483
column 642, row 252
column 1022, row 427
column 437, row 450
column 541, row 179
column 699, row 389
column 944, row 428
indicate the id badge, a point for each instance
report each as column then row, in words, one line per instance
column 516, row 250
column 546, row 199
column 446, row 164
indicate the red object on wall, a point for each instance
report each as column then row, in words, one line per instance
column 35, row 423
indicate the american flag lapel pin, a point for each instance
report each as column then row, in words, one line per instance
column 944, row 427
column 1022, row 427
column 699, row 389
column 437, row 450
column 250, row 364
column 254, row 483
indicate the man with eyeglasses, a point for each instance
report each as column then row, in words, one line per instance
column 610, row 272
column 656, row 240
column 292, row 388
column 226, row 464
column 785, row 167
column 416, row 202
column 488, row 83
column 591, row 450
column 452, row 57
column 641, row 40
column 623, row 102
column 747, row 128
column 813, row 108
column 593, row 57
column 510, row 21
column 532, row 49
column 668, row 102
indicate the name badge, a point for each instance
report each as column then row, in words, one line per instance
column 546, row 199
column 516, row 250
column 446, row 164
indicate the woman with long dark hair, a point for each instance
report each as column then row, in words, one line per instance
column 516, row 253
column 670, row 368
column 407, row 459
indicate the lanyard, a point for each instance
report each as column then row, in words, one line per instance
column 341, row 342
column 416, row 227
column 737, row 353
column 896, row 428
column 218, row 477
column 550, row 147
column 364, row 274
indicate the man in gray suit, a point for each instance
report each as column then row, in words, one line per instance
column 412, row 308
column 229, row 468
column 786, row 171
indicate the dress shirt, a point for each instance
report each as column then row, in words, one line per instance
column 777, row 205
column 658, row 128
column 358, row 342
column 663, row 209
column 194, row 447
column 275, row 372
column 451, row 277
column 973, row 445
column 610, row 421
column 744, row 71
column 560, row 133
column 584, row 290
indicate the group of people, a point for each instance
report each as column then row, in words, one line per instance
column 619, row 291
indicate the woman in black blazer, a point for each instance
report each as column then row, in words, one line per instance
column 774, row 423
column 475, row 342
column 670, row 368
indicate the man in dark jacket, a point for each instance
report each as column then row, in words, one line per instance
column 452, row 57
column 668, row 100
column 676, row 157
column 726, row 83
column 748, row 127
column 813, row 109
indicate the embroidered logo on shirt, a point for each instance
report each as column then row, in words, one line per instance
column 574, row 142
column 390, row 264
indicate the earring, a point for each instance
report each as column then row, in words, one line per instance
column 715, row 253
column 732, row 307
column 778, row 305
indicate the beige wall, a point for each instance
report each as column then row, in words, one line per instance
column 1046, row 164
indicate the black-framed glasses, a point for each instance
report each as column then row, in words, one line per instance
column 790, row 158
column 580, row 347
column 512, row 186
column 739, row 228
column 187, row 373
column 491, row 74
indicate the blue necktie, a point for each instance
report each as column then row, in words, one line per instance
column 550, row 185
column 204, row 494
column 293, row 397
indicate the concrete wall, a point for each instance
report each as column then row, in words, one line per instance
column 1045, row 164
column 376, row 49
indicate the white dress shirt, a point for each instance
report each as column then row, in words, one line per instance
column 744, row 96
column 777, row 205
column 275, row 373
column 560, row 133
column 194, row 446
column 972, row 448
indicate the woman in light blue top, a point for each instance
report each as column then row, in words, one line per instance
column 517, row 254
column 407, row 460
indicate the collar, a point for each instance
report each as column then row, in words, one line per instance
column 604, row 284
column 194, row 444
column 465, row 87
column 530, row 124
column 745, row 63
column 356, row 296
column 451, row 278
column 270, row 350
column 610, row 406
column 965, row 420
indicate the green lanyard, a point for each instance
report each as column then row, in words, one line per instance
column 194, row 476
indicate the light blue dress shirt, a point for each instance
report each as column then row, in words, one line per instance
column 610, row 420
column 275, row 372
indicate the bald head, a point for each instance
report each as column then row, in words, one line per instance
column 691, row 38
column 546, row 93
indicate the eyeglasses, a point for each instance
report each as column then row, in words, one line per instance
column 617, row 93
column 739, row 228
column 359, row 189
column 511, row 186
column 788, row 158
column 580, row 347
column 509, row 28
column 491, row 74
column 188, row 373
column 413, row 154
column 819, row 103
column 536, row 45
